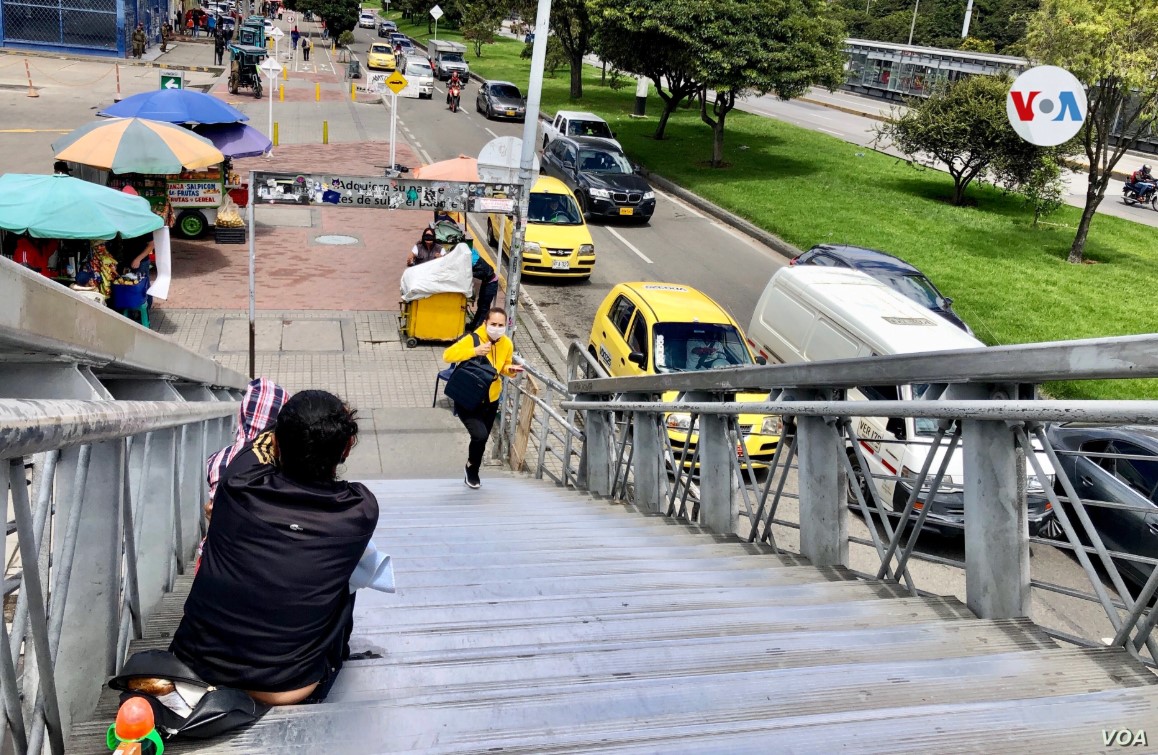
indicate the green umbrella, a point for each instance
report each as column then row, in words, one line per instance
column 62, row 207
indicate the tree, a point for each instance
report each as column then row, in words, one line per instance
column 339, row 15
column 973, row 44
column 572, row 25
column 649, row 38
column 746, row 47
column 1109, row 45
column 1044, row 189
column 963, row 126
column 481, row 20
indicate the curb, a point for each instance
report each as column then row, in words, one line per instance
column 218, row 70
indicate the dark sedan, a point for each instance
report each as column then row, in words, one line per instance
column 603, row 179
column 892, row 271
column 501, row 99
column 1118, row 465
column 386, row 28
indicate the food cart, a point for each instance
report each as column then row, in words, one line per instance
column 194, row 197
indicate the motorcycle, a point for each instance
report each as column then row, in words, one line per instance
column 1143, row 192
column 454, row 93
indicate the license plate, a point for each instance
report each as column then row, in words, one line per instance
column 560, row 264
column 626, row 210
column 510, row 113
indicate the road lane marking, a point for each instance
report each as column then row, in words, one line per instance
column 829, row 131
column 492, row 133
column 425, row 156
column 628, row 244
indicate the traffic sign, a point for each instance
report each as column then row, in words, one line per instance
column 396, row 82
column 271, row 67
column 172, row 80
column 436, row 12
column 276, row 33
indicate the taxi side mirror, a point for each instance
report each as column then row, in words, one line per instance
column 896, row 426
column 761, row 360
column 639, row 358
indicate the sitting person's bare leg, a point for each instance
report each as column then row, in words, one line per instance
column 293, row 697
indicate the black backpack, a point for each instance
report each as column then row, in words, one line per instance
column 481, row 270
column 220, row 709
column 470, row 383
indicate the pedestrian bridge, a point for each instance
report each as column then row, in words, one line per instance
column 631, row 589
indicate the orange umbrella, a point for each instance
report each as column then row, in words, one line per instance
column 461, row 168
column 136, row 145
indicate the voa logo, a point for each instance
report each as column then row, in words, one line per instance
column 1046, row 106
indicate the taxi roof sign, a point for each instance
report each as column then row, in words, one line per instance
column 396, row 82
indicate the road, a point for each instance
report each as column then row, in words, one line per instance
column 680, row 245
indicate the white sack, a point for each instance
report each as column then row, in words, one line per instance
column 448, row 274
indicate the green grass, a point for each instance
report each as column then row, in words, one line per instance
column 1010, row 281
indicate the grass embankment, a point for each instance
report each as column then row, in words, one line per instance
column 1010, row 281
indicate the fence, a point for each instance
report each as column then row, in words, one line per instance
column 991, row 464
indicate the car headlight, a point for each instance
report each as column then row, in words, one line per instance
column 912, row 475
column 586, row 249
column 599, row 193
column 772, row 426
column 649, row 195
column 1034, row 484
column 532, row 246
column 679, row 421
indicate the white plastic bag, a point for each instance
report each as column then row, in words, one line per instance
column 448, row 274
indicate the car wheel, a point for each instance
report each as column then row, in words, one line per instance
column 858, row 479
column 545, row 142
column 490, row 114
column 583, row 205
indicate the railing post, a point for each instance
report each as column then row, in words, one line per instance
column 996, row 522
column 823, row 496
column 719, row 486
column 648, row 458
column 599, row 449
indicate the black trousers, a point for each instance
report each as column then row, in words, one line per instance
column 486, row 297
column 478, row 422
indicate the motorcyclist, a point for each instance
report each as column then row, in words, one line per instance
column 1142, row 175
column 455, row 81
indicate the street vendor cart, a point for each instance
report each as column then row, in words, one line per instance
column 434, row 294
column 244, row 71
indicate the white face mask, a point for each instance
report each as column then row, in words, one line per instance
column 495, row 332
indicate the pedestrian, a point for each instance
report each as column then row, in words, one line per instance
column 491, row 342
column 488, row 280
column 165, row 34
column 306, row 49
column 295, row 35
column 219, row 47
column 139, row 41
column 211, row 24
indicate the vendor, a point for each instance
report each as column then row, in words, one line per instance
column 425, row 250
column 135, row 255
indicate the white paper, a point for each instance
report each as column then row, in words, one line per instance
column 160, row 287
column 448, row 274
column 374, row 570
column 174, row 702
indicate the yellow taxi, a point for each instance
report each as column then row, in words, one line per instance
column 381, row 57
column 651, row 328
column 557, row 242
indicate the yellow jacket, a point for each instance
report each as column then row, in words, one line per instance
column 500, row 356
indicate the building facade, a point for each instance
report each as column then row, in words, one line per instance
column 87, row 27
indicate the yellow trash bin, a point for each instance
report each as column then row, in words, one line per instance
column 441, row 317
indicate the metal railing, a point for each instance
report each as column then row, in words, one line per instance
column 987, row 469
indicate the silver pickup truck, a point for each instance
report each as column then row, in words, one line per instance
column 576, row 123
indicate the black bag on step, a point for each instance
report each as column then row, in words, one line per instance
column 470, row 383
column 219, row 711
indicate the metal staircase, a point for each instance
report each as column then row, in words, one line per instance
column 532, row 619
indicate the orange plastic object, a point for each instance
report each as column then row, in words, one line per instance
column 128, row 748
column 134, row 719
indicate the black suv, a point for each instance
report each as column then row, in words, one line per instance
column 604, row 181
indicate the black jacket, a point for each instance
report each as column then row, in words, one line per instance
column 270, row 608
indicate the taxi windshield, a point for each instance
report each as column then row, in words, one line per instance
column 687, row 346
column 553, row 209
column 379, row 49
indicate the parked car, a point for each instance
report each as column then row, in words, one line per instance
column 386, row 28
column 501, row 99
column 650, row 328
column 811, row 313
column 557, row 242
column 892, row 271
column 367, row 20
column 1131, row 482
column 381, row 57
column 419, row 76
column 603, row 179
column 576, row 123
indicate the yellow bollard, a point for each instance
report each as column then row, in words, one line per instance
column 325, row 132
column 353, row 92
column 281, row 92
column 275, row 133
column 285, row 73
column 317, row 92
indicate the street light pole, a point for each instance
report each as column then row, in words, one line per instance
column 527, row 160
column 913, row 26
column 968, row 18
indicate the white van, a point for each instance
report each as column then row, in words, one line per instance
column 812, row 314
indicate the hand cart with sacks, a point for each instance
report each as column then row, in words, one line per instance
column 434, row 294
